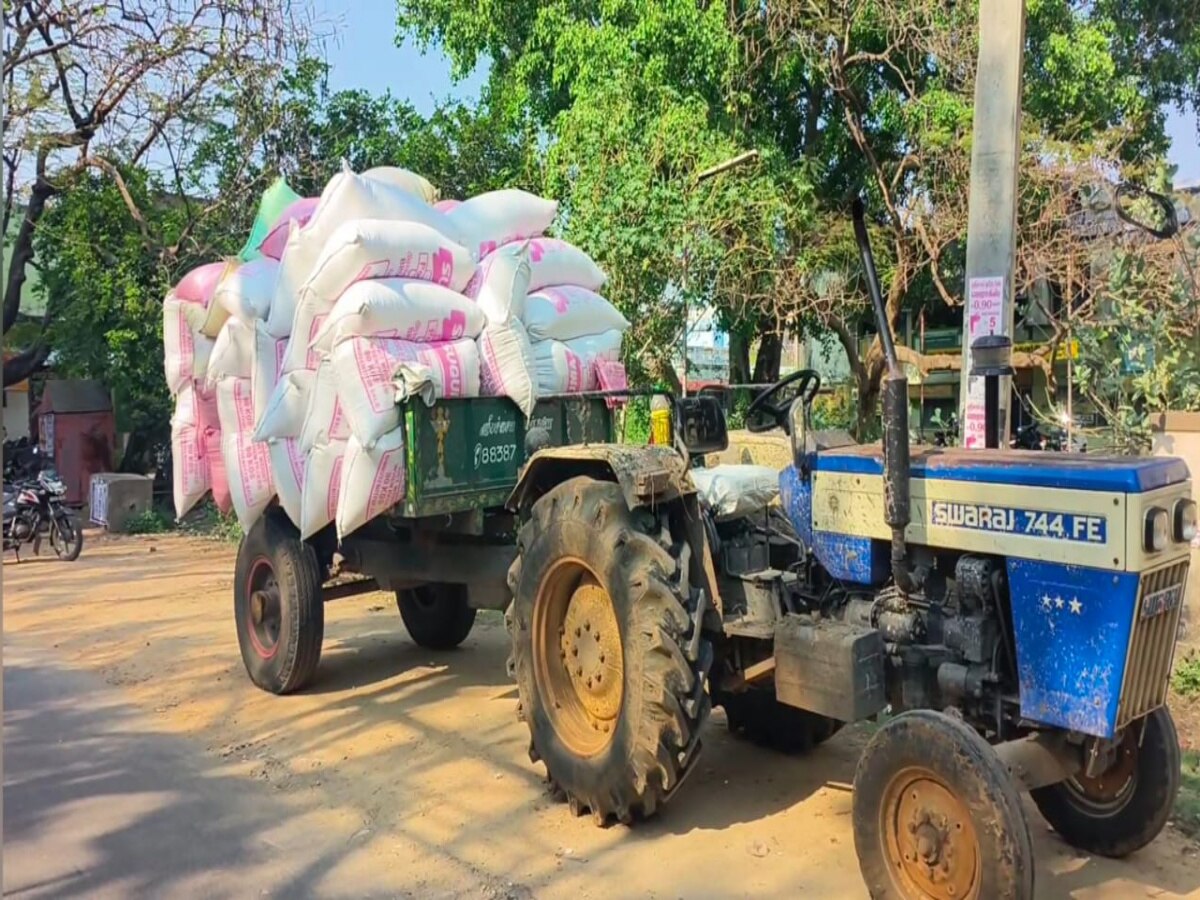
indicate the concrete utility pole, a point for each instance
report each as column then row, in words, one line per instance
column 992, row 223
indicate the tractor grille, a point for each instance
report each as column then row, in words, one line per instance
column 1152, row 642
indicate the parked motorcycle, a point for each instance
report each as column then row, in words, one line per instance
column 34, row 509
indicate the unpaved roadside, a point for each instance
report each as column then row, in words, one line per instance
column 413, row 765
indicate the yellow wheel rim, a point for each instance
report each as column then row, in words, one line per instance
column 929, row 839
column 578, row 662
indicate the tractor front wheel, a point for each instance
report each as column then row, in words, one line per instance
column 1124, row 808
column 607, row 650
column 936, row 815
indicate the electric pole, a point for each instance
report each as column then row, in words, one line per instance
column 992, row 219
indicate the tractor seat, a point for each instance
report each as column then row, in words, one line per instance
column 732, row 491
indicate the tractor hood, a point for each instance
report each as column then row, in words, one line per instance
column 1024, row 468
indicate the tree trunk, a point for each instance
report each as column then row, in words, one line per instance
column 770, row 355
column 22, row 253
column 739, row 358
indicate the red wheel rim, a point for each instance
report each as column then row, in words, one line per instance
column 264, row 610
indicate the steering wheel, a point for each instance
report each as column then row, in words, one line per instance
column 770, row 408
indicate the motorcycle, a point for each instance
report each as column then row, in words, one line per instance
column 36, row 509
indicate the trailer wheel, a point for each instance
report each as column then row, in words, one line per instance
column 760, row 718
column 607, row 650
column 937, row 815
column 1125, row 808
column 437, row 616
column 278, row 606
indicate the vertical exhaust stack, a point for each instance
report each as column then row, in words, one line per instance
column 896, row 463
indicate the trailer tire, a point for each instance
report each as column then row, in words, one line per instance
column 763, row 720
column 278, row 605
column 1125, row 808
column 937, row 814
column 437, row 616
column 606, row 589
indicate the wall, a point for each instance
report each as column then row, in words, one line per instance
column 16, row 415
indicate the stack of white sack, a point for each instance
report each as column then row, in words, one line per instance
column 191, row 319
column 366, row 226
column 571, row 327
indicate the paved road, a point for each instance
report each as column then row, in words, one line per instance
column 98, row 804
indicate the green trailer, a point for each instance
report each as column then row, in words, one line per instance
column 445, row 550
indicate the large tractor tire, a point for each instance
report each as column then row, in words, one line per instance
column 437, row 616
column 607, row 650
column 278, row 606
column 1126, row 807
column 760, row 718
column 937, row 815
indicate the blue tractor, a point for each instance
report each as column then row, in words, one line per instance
column 1008, row 618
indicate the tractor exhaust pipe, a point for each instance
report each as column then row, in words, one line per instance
column 896, row 463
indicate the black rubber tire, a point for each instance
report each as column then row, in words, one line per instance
column 1133, row 820
column 68, row 551
column 656, row 735
column 760, row 718
column 970, row 768
column 437, row 616
column 288, row 664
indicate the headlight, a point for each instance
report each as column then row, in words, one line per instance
column 1185, row 521
column 1158, row 530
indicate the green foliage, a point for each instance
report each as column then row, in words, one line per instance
column 835, row 410
column 1139, row 340
column 1185, row 680
column 151, row 521
column 1187, row 803
column 209, row 522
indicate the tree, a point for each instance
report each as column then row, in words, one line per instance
column 840, row 97
column 102, row 85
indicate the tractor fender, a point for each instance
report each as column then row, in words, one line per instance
column 649, row 476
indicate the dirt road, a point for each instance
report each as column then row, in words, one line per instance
column 402, row 772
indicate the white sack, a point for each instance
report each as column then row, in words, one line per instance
column 733, row 491
column 387, row 248
column 246, row 292
column 311, row 314
column 507, row 367
column 248, row 467
column 500, row 217
column 284, row 415
column 299, row 254
column 373, row 481
column 348, row 196
column 405, row 180
column 267, row 364
column 324, row 421
column 560, row 370
column 606, row 345
column 322, row 482
column 502, row 282
column 553, row 262
column 566, row 312
column 189, row 471
column 233, row 352
column 287, row 473
column 186, row 351
column 235, row 406
column 365, row 371
column 402, row 308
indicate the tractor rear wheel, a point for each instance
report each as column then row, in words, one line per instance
column 607, row 650
column 278, row 605
column 759, row 717
column 437, row 616
column 936, row 815
column 1124, row 808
